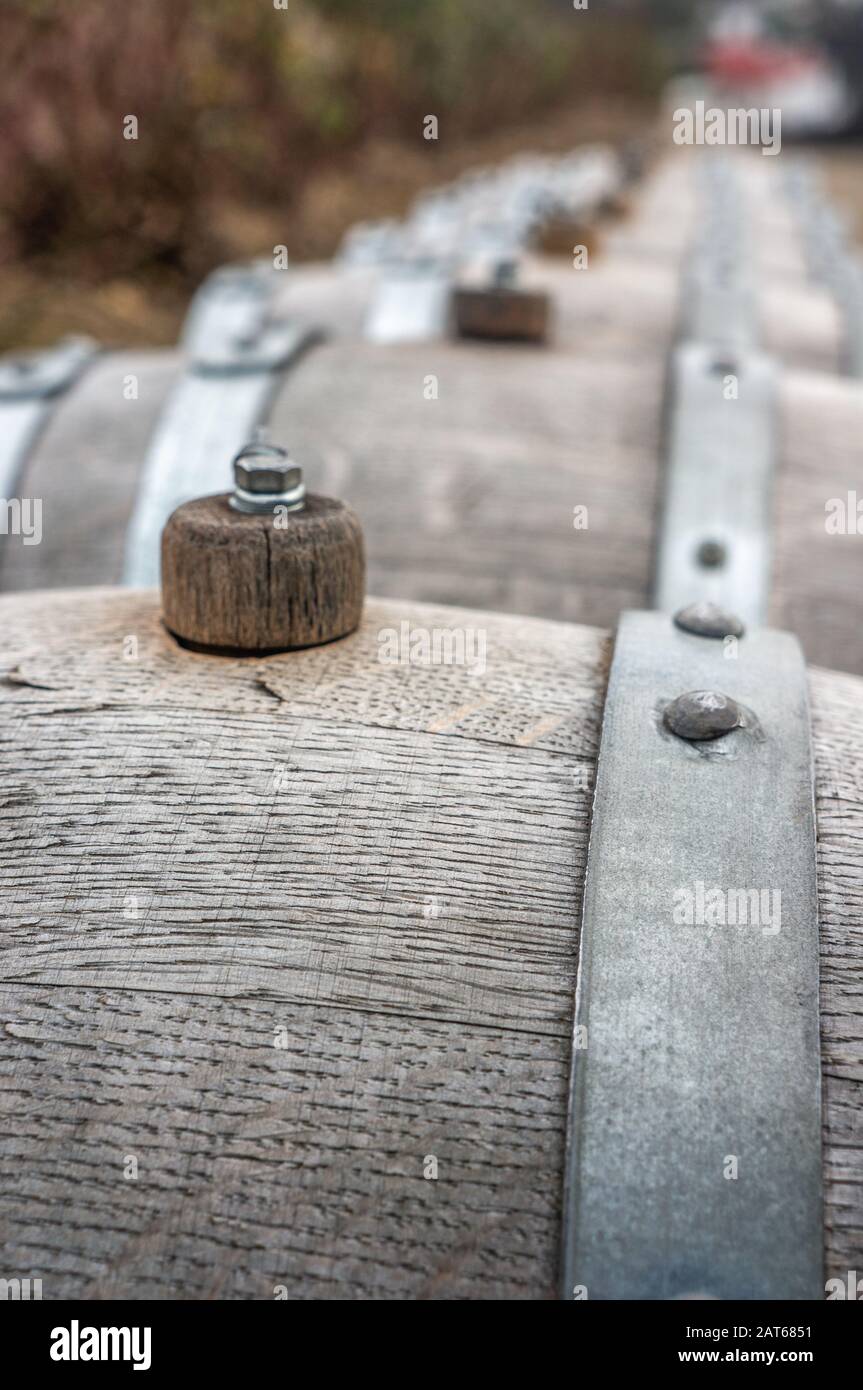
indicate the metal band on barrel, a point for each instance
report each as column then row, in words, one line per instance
column 212, row 413
column 694, row 1154
column 714, row 529
column 411, row 304
column 29, row 387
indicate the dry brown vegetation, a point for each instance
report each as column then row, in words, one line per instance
column 259, row 125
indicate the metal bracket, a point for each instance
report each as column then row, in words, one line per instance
column 38, row 375
column 211, row 414
column 714, row 531
column 270, row 349
column 411, row 304
column 231, row 306
column 718, row 294
column 719, row 303
column 29, row 383
column 694, row 1142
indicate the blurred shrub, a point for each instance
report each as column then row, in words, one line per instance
column 238, row 99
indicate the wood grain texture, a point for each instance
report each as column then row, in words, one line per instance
column 234, row 581
column 382, row 861
column 303, row 768
column 265, row 906
column 470, row 497
column 261, row 1165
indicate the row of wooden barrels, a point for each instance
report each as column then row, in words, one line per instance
column 466, row 463
column 289, row 948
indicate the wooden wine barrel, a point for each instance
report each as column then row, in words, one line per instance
column 668, row 206
column 633, row 280
column 581, row 419
column 469, row 498
column 799, row 321
column 467, row 461
column 86, row 466
column 289, row 955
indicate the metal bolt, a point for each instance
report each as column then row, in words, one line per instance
column 702, row 714
column 708, row 620
column 265, row 478
column 504, row 274
column 711, row 555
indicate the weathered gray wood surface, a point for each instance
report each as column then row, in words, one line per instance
column 818, row 576
column 384, row 862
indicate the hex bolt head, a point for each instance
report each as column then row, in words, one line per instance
column 702, row 714
column 505, row 273
column 265, row 478
column 708, row 620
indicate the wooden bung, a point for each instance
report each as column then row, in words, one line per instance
column 500, row 310
column 267, row 568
